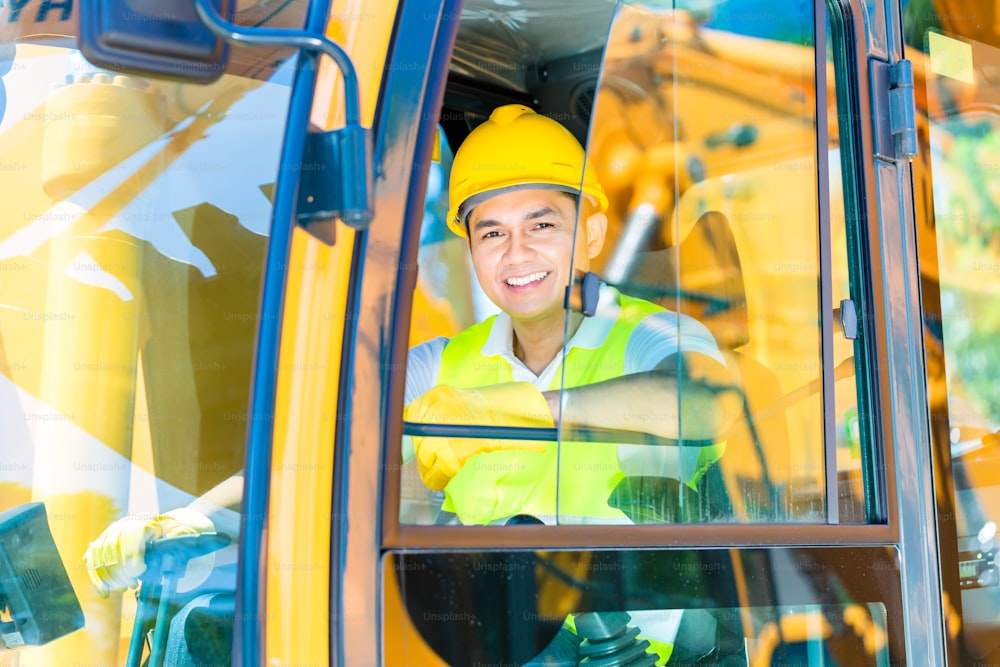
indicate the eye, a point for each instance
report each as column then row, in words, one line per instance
column 491, row 235
column 543, row 225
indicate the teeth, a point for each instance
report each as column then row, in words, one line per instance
column 518, row 282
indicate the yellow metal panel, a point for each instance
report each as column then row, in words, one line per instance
column 299, row 520
column 305, row 423
column 406, row 648
column 363, row 28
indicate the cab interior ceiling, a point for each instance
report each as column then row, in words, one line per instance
column 545, row 54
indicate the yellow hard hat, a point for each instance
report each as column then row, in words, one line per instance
column 517, row 148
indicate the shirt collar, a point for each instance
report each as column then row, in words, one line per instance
column 591, row 334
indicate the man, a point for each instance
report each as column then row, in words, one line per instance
column 515, row 189
column 514, row 192
column 517, row 183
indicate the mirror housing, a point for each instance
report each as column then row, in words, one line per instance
column 155, row 38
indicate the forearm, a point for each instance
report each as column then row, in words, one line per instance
column 655, row 402
column 221, row 505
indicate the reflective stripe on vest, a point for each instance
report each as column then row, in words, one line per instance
column 496, row 485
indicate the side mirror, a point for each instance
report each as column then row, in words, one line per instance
column 155, row 38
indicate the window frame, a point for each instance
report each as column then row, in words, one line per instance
column 846, row 22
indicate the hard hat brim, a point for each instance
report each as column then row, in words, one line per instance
column 458, row 216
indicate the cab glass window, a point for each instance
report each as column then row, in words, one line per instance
column 724, row 260
column 132, row 245
column 643, row 607
column 707, row 365
column 956, row 61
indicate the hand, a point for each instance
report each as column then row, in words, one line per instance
column 509, row 404
column 116, row 559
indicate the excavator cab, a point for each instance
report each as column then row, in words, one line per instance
column 216, row 253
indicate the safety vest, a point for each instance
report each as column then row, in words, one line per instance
column 496, row 485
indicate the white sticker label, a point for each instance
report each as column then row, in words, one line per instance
column 950, row 57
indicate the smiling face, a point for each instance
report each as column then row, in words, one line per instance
column 522, row 249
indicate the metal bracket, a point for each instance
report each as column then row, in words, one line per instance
column 338, row 181
column 848, row 319
column 895, row 110
column 332, row 185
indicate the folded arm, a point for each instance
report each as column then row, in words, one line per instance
column 689, row 396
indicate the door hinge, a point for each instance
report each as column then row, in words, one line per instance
column 895, row 110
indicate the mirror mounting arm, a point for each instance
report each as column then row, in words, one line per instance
column 346, row 189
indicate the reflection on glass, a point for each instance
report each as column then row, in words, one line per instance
column 131, row 251
column 447, row 299
column 958, row 214
column 643, row 607
column 704, row 137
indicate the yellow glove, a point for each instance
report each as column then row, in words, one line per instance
column 116, row 559
column 509, row 404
